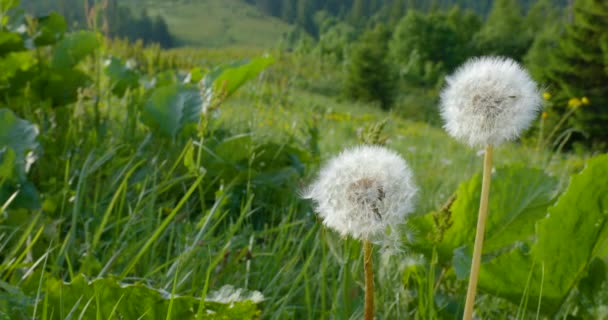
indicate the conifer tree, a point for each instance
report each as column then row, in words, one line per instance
column 369, row 76
column 579, row 67
column 504, row 32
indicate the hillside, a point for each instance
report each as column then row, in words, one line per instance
column 215, row 23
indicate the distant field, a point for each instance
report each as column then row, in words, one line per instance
column 215, row 23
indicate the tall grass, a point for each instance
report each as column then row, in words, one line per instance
column 129, row 205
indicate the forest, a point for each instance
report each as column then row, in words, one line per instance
column 117, row 20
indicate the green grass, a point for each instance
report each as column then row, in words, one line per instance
column 132, row 205
column 216, row 23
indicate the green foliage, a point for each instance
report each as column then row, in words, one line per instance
column 577, row 67
column 10, row 41
column 73, row 48
column 519, row 197
column 425, row 46
column 18, row 150
column 334, row 41
column 107, row 298
column 122, row 77
column 173, row 107
column 545, row 20
column 566, row 241
column 226, row 79
column 535, row 252
column 369, row 76
column 49, row 29
column 496, row 35
column 57, row 80
column 116, row 19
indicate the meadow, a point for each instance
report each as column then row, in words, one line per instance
column 215, row 23
column 140, row 183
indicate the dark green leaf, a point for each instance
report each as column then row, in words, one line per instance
column 129, row 301
column 9, row 42
column 591, row 286
column 567, row 239
column 12, row 63
column 17, row 139
column 518, row 198
column 61, row 85
column 121, row 76
column 73, row 48
column 172, row 107
column 225, row 80
column 18, row 135
column 7, row 164
column 50, row 29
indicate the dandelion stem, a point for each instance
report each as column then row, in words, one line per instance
column 369, row 280
column 481, row 226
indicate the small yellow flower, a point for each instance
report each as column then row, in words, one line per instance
column 545, row 115
column 585, row 101
column 546, row 95
column 574, row 103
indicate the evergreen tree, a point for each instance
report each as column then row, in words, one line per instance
column 579, row 67
column 427, row 45
column 288, row 11
column 304, row 16
column 357, row 12
column 369, row 76
column 397, row 10
column 504, row 32
column 546, row 24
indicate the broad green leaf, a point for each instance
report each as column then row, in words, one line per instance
column 195, row 75
column 519, row 197
column 111, row 299
column 121, row 76
column 73, row 48
column 172, row 107
column 9, row 42
column 6, row 5
column 12, row 63
column 7, row 165
column 225, row 80
column 590, row 288
column 573, row 232
column 61, row 85
column 18, row 136
column 50, row 29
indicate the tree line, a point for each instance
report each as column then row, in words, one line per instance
column 359, row 12
column 403, row 64
column 110, row 17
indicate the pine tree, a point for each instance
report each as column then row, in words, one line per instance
column 288, row 11
column 504, row 32
column 546, row 25
column 358, row 11
column 579, row 67
column 397, row 10
column 304, row 13
column 369, row 76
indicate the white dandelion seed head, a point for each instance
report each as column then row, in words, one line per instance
column 229, row 294
column 489, row 100
column 362, row 191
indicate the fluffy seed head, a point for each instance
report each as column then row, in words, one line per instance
column 489, row 100
column 362, row 191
